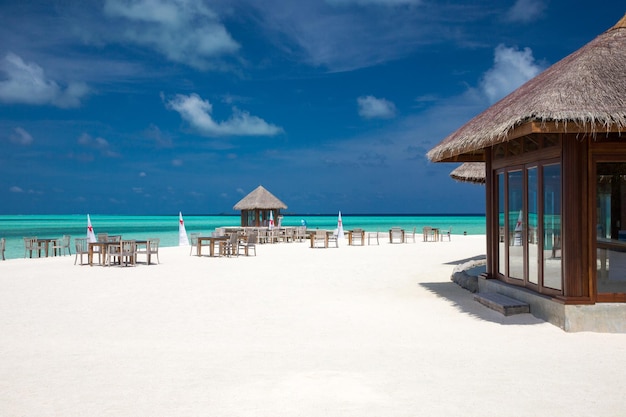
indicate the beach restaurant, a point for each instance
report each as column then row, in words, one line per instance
column 554, row 154
column 259, row 207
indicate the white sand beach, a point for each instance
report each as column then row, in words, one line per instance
column 354, row 331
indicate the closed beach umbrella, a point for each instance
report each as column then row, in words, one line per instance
column 91, row 236
column 182, row 233
column 340, row 234
column 271, row 223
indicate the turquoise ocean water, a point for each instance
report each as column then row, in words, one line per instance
column 15, row 227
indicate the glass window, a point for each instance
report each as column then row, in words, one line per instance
column 552, row 227
column 532, row 221
column 501, row 225
column 611, row 227
column 516, row 225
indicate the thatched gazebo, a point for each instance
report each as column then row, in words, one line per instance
column 548, row 149
column 256, row 207
column 473, row 172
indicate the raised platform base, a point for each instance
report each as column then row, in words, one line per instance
column 602, row 317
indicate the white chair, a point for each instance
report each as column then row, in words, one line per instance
column 410, row 235
column 371, row 237
column 193, row 242
column 333, row 237
column 446, row 234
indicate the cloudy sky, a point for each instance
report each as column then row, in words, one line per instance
column 160, row 106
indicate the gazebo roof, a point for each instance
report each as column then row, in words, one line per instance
column 584, row 92
column 470, row 172
column 260, row 198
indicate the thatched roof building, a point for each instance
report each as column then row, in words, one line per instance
column 470, row 172
column 256, row 207
column 584, row 92
column 554, row 154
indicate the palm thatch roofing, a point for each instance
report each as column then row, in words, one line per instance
column 584, row 92
column 260, row 198
column 470, row 172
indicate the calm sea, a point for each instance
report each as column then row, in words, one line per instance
column 15, row 227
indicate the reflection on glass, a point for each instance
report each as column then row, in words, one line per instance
column 501, row 240
column 611, row 236
column 516, row 225
column 552, row 227
column 533, row 248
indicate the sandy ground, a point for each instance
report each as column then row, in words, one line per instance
column 294, row 331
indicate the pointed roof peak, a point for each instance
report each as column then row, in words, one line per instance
column 259, row 198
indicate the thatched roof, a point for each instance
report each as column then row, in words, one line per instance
column 260, row 198
column 584, row 92
column 470, row 172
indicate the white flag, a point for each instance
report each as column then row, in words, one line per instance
column 91, row 236
column 340, row 234
column 182, row 233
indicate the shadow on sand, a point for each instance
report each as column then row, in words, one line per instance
column 464, row 301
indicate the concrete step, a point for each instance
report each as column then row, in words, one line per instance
column 502, row 303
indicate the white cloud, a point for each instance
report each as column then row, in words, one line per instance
column 526, row 10
column 371, row 107
column 511, row 68
column 184, row 31
column 16, row 189
column 26, row 83
column 100, row 144
column 197, row 113
column 21, row 137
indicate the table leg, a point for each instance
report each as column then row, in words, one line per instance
column 199, row 248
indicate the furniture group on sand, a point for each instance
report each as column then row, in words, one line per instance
column 434, row 234
column 46, row 246
column 113, row 250
column 225, row 243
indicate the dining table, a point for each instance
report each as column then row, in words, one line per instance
column 45, row 244
column 212, row 241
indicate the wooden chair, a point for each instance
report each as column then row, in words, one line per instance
column 320, row 236
column 128, row 252
column 152, row 248
column 81, row 248
column 427, row 231
column 396, row 235
column 59, row 246
column 193, row 242
column 31, row 244
column 358, row 237
column 249, row 243
column 230, row 247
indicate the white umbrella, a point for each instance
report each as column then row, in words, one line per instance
column 340, row 234
column 182, row 233
column 271, row 223
column 91, row 236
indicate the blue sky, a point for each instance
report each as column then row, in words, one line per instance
column 160, row 106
